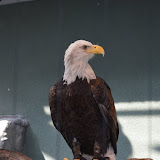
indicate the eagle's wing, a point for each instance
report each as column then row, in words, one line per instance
column 55, row 107
column 56, row 102
column 102, row 95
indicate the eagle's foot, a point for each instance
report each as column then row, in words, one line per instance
column 79, row 158
column 98, row 158
column 97, row 152
column 76, row 150
column 106, row 158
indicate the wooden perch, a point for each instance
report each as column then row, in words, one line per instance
column 10, row 155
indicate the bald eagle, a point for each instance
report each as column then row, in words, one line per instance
column 82, row 107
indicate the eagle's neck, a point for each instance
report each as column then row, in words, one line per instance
column 80, row 69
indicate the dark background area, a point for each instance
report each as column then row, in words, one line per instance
column 33, row 39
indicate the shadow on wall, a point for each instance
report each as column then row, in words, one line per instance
column 157, row 148
column 32, row 148
column 124, row 146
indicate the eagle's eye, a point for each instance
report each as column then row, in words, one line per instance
column 85, row 47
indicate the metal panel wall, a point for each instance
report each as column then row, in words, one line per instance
column 33, row 39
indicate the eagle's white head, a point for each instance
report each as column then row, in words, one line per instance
column 76, row 61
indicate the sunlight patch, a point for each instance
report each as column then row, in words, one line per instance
column 46, row 110
column 132, row 106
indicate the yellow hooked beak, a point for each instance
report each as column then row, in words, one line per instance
column 95, row 49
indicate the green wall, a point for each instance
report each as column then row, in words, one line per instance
column 33, row 39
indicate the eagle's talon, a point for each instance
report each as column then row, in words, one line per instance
column 81, row 158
